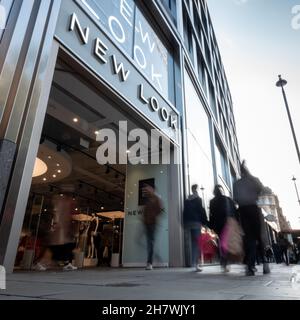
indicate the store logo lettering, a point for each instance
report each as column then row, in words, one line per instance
column 117, row 31
column 100, row 50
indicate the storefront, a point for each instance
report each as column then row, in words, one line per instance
column 86, row 75
column 98, row 98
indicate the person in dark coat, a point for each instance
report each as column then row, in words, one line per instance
column 277, row 254
column 152, row 209
column 246, row 192
column 221, row 207
column 284, row 246
column 194, row 216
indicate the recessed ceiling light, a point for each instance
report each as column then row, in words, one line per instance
column 75, row 119
column 161, row 172
column 44, row 179
column 102, row 208
column 61, row 194
column 57, row 164
column 45, row 210
column 49, row 157
column 59, row 171
column 54, row 176
column 76, row 209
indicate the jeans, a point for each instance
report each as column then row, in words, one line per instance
column 193, row 232
column 150, row 234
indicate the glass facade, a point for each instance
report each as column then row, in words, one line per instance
column 152, row 59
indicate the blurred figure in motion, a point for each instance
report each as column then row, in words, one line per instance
column 276, row 251
column 207, row 244
column 62, row 238
column 152, row 209
column 246, row 192
column 194, row 216
column 284, row 247
column 221, row 207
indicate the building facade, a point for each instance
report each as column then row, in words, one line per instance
column 71, row 69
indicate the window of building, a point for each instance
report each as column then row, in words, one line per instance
column 212, row 99
column 200, row 167
column 170, row 6
column 188, row 35
column 221, row 163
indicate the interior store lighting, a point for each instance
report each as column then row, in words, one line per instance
column 40, row 167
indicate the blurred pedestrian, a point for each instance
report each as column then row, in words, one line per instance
column 221, row 207
column 284, row 247
column 276, row 250
column 152, row 209
column 194, row 216
column 62, row 237
column 246, row 192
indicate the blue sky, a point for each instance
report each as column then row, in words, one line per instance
column 257, row 42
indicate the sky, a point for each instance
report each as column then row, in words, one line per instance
column 257, row 42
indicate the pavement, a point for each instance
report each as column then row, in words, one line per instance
column 157, row 284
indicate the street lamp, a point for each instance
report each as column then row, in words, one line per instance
column 294, row 179
column 281, row 83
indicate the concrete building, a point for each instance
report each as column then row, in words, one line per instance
column 70, row 69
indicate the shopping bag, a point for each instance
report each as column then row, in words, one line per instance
column 231, row 240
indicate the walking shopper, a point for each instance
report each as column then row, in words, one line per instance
column 153, row 208
column 221, row 207
column 194, row 216
column 246, row 192
column 284, row 247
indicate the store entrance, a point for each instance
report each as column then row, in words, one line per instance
column 75, row 211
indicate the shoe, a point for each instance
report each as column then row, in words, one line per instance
column 225, row 269
column 69, row 267
column 254, row 269
column 250, row 273
column 198, row 268
column 149, row 266
column 39, row 267
column 266, row 268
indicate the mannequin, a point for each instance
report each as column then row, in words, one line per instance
column 93, row 229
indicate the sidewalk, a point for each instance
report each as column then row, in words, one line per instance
column 158, row 284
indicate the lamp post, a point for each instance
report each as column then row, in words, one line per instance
column 294, row 179
column 281, row 83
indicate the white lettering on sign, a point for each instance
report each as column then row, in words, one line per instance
column 138, row 56
column 126, row 11
column 156, row 76
column 145, row 36
column 120, row 68
column 84, row 35
column 146, row 45
column 101, row 50
column 112, row 27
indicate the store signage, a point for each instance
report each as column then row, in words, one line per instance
column 132, row 32
column 83, row 37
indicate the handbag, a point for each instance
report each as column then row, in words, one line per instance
column 231, row 240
